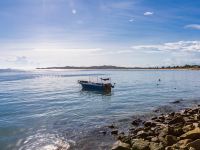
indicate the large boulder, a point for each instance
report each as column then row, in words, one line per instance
column 188, row 128
column 149, row 124
column 136, row 122
column 170, row 140
column 176, row 120
column 193, row 134
column 120, row 146
column 156, row 146
column 182, row 143
column 114, row 132
column 195, row 144
column 140, row 144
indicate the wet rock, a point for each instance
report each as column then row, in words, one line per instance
column 149, row 124
column 111, row 126
column 195, row 144
column 176, row 101
column 114, row 132
column 142, row 134
column 102, row 132
column 140, row 144
column 176, row 120
column 136, row 122
column 170, row 140
column 172, row 114
column 126, row 139
column 153, row 118
column 193, row 134
column 120, row 146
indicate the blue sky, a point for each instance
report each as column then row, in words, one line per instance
column 44, row 33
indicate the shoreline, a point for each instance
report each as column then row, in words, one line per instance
column 170, row 131
column 124, row 69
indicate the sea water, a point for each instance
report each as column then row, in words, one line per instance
column 46, row 109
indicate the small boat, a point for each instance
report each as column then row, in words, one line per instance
column 104, row 86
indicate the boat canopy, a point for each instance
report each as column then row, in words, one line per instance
column 105, row 79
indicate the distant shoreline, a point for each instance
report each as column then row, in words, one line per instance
column 106, row 67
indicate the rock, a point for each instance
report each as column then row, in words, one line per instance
column 176, row 102
column 149, row 124
column 114, row 132
column 172, row 114
column 155, row 139
column 136, row 122
column 196, row 125
column 169, row 148
column 193, row 134
column 124, row 139
column 156, row 146
column 178, row 131
column 142, row 134
column 170, row 140
column 195, row 144
column 188, row 128
column 191, row 148
column 111, row 126
column 183, row 143
column 153, row 118
column 120, row 146
column 149, row 138
column 162, row 140
column 140, row 144
column 167, row 131
column 196, row 117
column 102, row 132
column 138, row 129
column 176, row 120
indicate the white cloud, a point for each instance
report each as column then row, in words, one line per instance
column 180, row 46
column 74, row 11
column 71, row 50
column 148, row 13
column 193, row 26
column 131, row 20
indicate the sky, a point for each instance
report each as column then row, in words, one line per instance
column 143, row 33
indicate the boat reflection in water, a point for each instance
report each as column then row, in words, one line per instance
column 104, row 86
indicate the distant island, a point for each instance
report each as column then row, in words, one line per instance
column 194, row 67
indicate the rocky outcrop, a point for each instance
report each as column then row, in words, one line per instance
column 173, row 131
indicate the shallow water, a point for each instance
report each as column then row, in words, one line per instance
column 44, row 109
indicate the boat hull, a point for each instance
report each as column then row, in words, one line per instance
column 95, row 86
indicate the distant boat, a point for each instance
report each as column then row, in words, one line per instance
column 104, row 86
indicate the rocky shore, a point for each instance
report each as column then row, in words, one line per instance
column 172, row 131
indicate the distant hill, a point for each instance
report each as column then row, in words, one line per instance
column 90, row 67
column 196, row 67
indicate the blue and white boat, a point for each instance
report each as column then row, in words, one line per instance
column 104, row 86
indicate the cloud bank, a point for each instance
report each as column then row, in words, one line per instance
column 180, row 46
column 193, row 26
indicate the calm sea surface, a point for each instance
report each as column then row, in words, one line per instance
column 44, row 109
